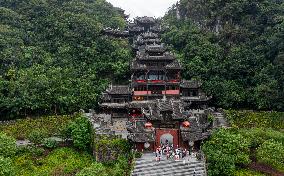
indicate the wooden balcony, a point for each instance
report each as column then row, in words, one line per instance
column 171, row 92
column 136, row 93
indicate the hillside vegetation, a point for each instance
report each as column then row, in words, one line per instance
column 53, row 57
column 234, row 46
column 252, row 146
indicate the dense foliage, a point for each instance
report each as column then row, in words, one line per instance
column 120, row 168
column 245, row 172
column 37, row 127
column 53, row 57
column 272, row 153
column 53, row 158
column 61, row 161
column 7, row 145
column 95, row 169
column 6, row 167
column 229, row 151
column 81, row 132
column 249, row 119
column 225, row 151
column 260, row 133
column 109, row 148
column 257, row 136
column 235, row 47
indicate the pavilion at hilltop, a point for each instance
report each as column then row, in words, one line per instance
column 157, row 105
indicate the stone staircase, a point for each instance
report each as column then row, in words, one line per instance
column 147, row 166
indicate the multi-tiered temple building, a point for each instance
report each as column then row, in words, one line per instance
column 157, row 105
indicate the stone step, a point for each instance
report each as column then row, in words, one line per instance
column 147, row 166
column 174, row 172
column 170, row 170
column 165, row 162
column 171, row 164
column 171, row 167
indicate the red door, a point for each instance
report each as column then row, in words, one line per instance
column 167, row 134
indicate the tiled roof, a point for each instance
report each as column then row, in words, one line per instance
column 156, row 48
column 190, row 84
column 142, row 137
column 118, row 89
column 149, row 35
column 175, row 64
column 145, row 19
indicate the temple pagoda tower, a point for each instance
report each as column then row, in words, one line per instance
column 157, row 105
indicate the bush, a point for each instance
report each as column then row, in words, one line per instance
column 60, row 161
column 81, row 132
column 50, row 143
column 271, row 153
column 23, row 127
column 8, row 145
column 37, row 136
column 30, row 150
column 224, row 151
column 65, row 131
column 121, row 167
column 248, row 119
column 258, row 136
column 96, row 169
column 244, row 172
column 109, row 148
column 137, row 154
column 6, row 167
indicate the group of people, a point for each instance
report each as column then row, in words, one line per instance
column 168, row 151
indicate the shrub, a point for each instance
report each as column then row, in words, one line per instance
column 23, row 127
column 271, row 153
column 37, row 136
column 108, row 148
column 8, row 145
column 65, row 131
column 248, row 119
column 36, row 151
column 137, row 154
column 224, row 151
column 60, row 161
column 258, row 136
column 121, row 167
column 81, row 132
column 6, row 167
column 50, row 143
column 30, row 150
column 95, row 169
column 244, row 172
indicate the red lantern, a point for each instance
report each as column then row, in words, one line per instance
column 148, row 125
column 186, row 124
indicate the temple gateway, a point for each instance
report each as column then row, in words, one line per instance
column 157, row 106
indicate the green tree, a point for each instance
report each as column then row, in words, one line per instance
column 81, row 132
column 234, row 47
column 54, row 58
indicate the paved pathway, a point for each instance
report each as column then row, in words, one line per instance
column 147, row 166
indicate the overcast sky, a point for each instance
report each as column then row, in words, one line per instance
column 136, row 8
